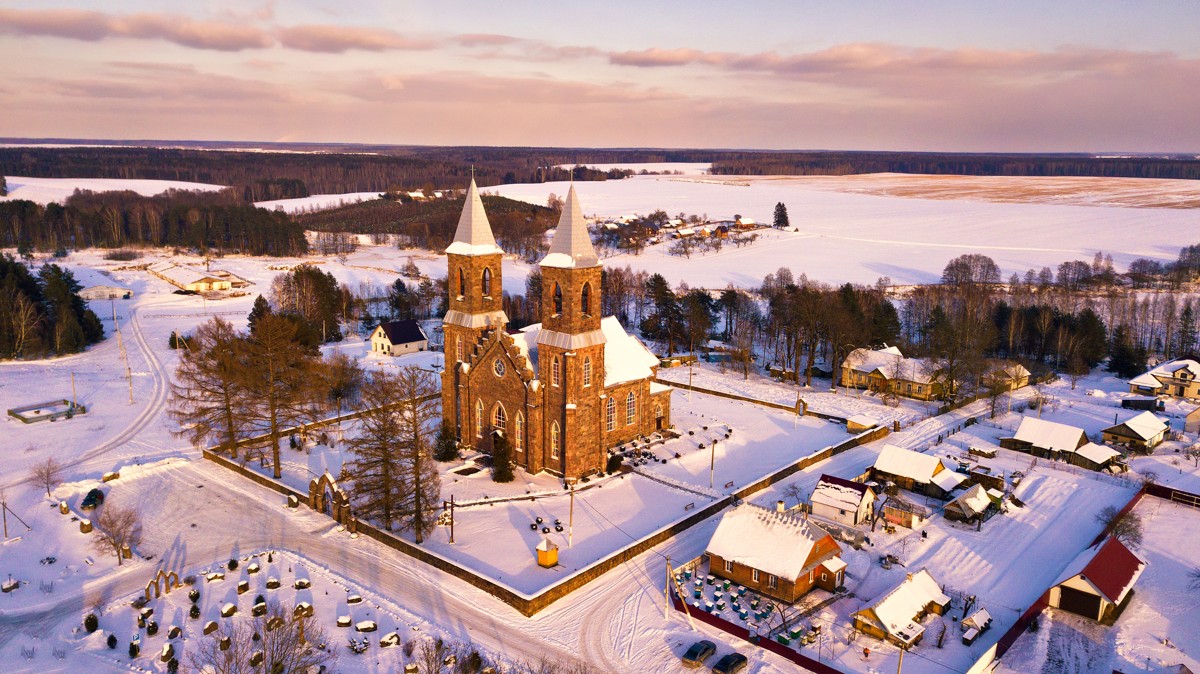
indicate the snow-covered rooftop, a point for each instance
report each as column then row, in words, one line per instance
column 1097, row 453
column 907, row 463
column 890, row 362
column 625, row 357
column 778, row 543
column 973, row 501
column 1167, row 370
column 1049, row 434
column 839, row 493
column 1145, row 425
column 898, row 609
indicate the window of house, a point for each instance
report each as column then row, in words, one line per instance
column 630, row 409
column 557, row 299
column 587, row 371
column 554, row 440
column 920, row 389
column 772, row 582
column 500, row 418
column 519, row 432
column 728, row 566
column 554, row 371
column 610, row 414
column 824, row 577
column 754, row 575
column 479, row 418
column 585, row 299
column 487, row 281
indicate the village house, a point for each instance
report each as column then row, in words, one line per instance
column 1191, row 423
column 1007, row 376
column 1141, row 433
column 1047, row 439
column 974, row 506
column 396, row 338
column 745, row 223
column 189, row 278
column 887, row 370
column 843, row 501
column 561, row 392
column 1177, row 378
column 782, row 555
column 896, row 617
column 105, row 293
column 915, row 472
column 1098, row 581
column 1094, row 457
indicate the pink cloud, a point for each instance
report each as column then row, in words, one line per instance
column 93, row 26
column 338, row 39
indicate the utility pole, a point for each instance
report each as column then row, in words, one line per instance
column 667, row 592
column 712, row 463
column 73, row 401
column 571, row 518
column 124, row 354
column 452, row 519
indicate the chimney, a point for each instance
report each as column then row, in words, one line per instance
column 779, row 507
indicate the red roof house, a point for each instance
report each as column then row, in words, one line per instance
column 1098, row 581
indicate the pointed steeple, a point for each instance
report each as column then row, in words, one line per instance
column 474, row 233
column 571, row 246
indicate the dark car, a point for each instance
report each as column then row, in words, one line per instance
column 731, row 664
column 698, row 653
column 94, row 498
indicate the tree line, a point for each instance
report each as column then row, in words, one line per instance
column 206, row 222
column 42, row 314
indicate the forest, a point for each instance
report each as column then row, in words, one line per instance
column 43, row 313
column 217, row 222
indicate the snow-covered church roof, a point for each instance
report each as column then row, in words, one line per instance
column 571, row 246
column 474, row 233
column 625, row 357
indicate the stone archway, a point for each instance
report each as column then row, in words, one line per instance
column 162, row 583
column 325, row 494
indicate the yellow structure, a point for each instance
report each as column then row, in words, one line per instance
column 547, row 554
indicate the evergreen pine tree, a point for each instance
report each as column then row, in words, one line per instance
column 1126, row 360
column 1187, row 330
column 261, row 308
column 781, row 216
column 502, row 470
column 445, row 448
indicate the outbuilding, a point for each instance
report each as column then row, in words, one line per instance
column 843, row 501
column 1046, row 439
column 1099, row 581
column 105, row 293
column 896, row 617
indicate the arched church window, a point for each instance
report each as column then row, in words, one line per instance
column 487, row 281
column 555, row 440
column 610, row 414
column 479, row 418
column 587, row 371
column 630, row 409
column 519, row 432
column 500, row 418
column 554, row 371
column 585, row 299
column 557, row 299
column 462, row 283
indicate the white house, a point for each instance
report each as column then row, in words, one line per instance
column 105, row 293
column 843, row 501
column 396, row 338
column 1098, row 581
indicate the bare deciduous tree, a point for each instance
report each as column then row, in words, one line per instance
column 279, row 640
column 46, row 474
column 1125, row 527
column 117, row 527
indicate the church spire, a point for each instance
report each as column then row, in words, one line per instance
column 474, row 233
column 571, row 246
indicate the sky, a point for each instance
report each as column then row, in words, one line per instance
column 1062, row 76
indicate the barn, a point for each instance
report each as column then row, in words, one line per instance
column 1099, row 581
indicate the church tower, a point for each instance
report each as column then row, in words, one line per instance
column 476, row 301
column 571, row 349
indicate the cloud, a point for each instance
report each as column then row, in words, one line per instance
column 93, row 26
column 337, row 39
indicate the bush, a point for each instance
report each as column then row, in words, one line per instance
column 445, row 448
column 614, row 464
column 194, row 595
column 91, row 623
column 122, row 255
column 233, row 564
column 112, row 642
column 173, row 665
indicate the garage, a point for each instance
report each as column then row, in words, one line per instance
column 1098, row 582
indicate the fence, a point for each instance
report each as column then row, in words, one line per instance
column 747, row 399
column 1173, row 495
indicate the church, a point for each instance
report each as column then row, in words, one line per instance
column 562, row 391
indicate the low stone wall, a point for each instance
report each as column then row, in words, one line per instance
column 746, row 399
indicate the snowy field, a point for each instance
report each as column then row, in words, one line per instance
column 685, row 168
column 56, row 190
column 859, row 237
column 317, row 202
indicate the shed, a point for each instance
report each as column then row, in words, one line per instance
column 896, row 617
column 843, row 501
column 1142, row 433
column 973, row 505
column 974, row 625
column 1099, row 581
column 1094, row 457
column 860, row 422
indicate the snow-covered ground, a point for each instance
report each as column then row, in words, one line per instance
column 859, row 237
column 317, row 202
column 685, row 168
column 56, row 190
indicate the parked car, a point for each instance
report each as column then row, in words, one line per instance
column 698, row 653
column 94, row 498
column 731, row 664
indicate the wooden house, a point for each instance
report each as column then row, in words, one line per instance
column 896, row 617
column 886, row 370
column 1007, row 376
column 1178, row 378
column 973, row 506
column 916, row 472
column 1098, row 581
column 396, row 338
column 1094, row 457
column 843, row 501
column 1047, row 439
column 779, row 554
column 1141, row 433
